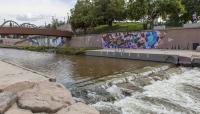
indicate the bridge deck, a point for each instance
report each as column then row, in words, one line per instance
column 34, row 31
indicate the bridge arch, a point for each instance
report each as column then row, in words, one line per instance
column 28, row 25
column 11, row 24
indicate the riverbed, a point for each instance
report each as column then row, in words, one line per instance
column 118, row 86
column 71, row 69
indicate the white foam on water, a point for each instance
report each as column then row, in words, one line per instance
column 165, row 97
column 115, row 91
column 107, row 108
column 129, row 76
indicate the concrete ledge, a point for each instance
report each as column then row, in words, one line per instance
column 167, row 56
column 196, row 61
column 136, row 56
column 192, row 25
column 163, row 27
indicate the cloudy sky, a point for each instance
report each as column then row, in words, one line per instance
column 35, row 11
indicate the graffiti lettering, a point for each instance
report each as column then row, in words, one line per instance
column 139, row 40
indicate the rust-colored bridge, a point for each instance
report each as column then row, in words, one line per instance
column 29, row 29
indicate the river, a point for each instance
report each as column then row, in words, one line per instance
column 118, row 86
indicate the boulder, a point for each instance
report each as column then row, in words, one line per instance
column 78, row 108
column 45, row 97
column 7, row 99
column 15, row 110
column 20, row 86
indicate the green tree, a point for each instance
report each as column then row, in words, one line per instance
column 107, row 11
column 152, row 9
column 81, row 15
column 55, row 23
column 171, row 11
column 137, row 9
column 191, row 6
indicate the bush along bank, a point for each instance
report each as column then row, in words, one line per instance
column 59, row 50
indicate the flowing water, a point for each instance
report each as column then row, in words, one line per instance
column 180, row 94
column 70, row 69
column 118, row 86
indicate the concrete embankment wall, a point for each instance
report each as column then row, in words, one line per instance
column 94, row 41
column 169, row 39
column 172, row 39
column 11, row 42
column 180, row 38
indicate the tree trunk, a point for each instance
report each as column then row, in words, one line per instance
column 85, row 30
column 110, row 22
column 152, row 24
column 145, row 26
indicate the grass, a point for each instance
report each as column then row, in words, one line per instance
column 59, row 50
column 30, row 48
column 72, row 50
column 117, row 27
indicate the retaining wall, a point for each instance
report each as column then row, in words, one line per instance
column 94, row 41
column 178, row 38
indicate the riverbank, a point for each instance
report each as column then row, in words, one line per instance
column 179, row 57
column 59, row 50
column 26, row 92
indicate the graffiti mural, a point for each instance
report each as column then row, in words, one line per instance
column 135, row 40
column 54, row 42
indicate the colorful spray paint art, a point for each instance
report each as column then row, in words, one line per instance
column 136, row 40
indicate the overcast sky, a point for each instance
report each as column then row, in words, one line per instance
column 34, row 11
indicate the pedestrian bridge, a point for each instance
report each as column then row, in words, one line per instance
column 13, row 28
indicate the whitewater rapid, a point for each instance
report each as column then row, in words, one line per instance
column 180, row 94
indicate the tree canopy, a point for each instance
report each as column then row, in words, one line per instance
column 109, row 10
column 191, row 6
column 151, row 9
column 91, row 13
column 81, row 15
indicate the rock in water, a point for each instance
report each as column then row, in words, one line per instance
column 78, row 108
column 78, row 100
column 7, row 99
column 107, row 108
column 45, row 97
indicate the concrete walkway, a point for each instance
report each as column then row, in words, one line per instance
column 11, row 75
column 186, row 57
